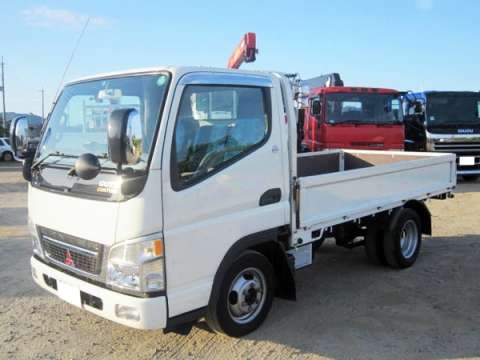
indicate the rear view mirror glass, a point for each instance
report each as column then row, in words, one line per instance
column 316, row 107
column 19, row 136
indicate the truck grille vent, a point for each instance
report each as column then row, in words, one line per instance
column 68, row 252
column 458, row 147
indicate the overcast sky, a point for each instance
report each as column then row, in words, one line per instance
column 408, row 45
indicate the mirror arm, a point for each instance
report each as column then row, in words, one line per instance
column 27, row 165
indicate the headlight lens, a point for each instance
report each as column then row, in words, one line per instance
column 37, row 248
column 137, row 266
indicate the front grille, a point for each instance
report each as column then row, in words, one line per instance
column 71, row 252
column 461, row 148
column 475, row 167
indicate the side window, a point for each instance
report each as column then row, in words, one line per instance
column 411, row 109
column 215, row 126
column 396, row 109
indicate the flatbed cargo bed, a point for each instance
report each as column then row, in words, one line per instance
column 337, row 186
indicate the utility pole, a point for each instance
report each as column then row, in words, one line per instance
column 3, row 95
column 43, row 104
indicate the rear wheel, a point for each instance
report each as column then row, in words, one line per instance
column 403, row 239
column 7, row 156
column 245, row 296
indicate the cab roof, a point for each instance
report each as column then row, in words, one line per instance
column 422, row 95
column 175, row 70
column 352, row 89
column 452, row 92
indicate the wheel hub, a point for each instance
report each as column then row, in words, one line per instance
column 409, row 239
column 246, row 295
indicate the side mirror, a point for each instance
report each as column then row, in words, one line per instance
column 418, row 107
column 19, row 137
column 25, row 136
column 125, row 137
column 24, row 139
column 316, row 107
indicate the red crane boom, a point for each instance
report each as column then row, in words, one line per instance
column 244, row 52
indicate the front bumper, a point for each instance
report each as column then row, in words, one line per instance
column 473, row 169
column 143, row 313
column 462, row 171
column 462, row 145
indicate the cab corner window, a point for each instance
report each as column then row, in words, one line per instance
column 215, row 126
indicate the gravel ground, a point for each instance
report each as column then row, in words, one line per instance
column 347, row 308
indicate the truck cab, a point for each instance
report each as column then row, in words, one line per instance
column 445, row 121
column 353, row 118
column 160, row 196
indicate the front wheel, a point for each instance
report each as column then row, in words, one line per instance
column 7, row 156
column 403, row 239
column 245, row 296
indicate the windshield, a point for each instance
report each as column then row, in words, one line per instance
column 461, row 109
column 368, row 108
column 78, row 123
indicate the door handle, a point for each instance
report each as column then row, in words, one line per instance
column 270, row 196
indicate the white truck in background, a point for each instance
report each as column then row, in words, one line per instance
column 161, row 196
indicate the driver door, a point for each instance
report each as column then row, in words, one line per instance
column 222, row 153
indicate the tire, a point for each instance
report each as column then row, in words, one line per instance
column 251, row 278
column 470, row 178
column 7, row 156
column 374, row 248
column 404, row 224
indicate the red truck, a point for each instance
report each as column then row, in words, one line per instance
column 346, row 117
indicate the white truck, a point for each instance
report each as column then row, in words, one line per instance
column 161, row 196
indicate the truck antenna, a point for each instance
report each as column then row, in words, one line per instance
column 71, row 57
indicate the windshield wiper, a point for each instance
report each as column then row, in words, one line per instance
column 388, row 123
column 40, row 161
column 354, row 122
column 466, row 124
column 441, row 125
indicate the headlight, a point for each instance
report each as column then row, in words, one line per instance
column 37, row 247
column 137, row 266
